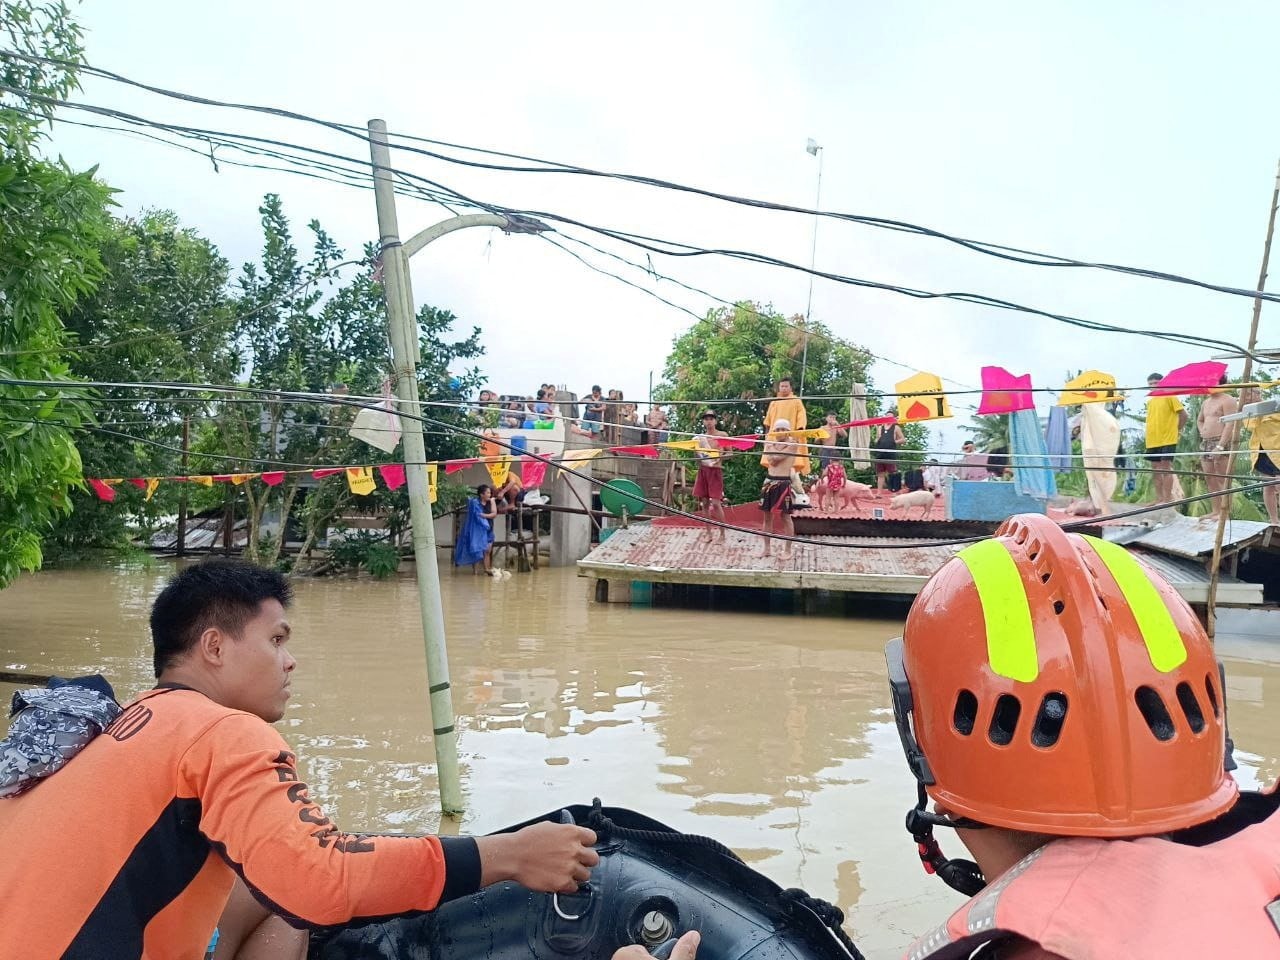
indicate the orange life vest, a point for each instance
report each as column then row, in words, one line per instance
column 1146, row 899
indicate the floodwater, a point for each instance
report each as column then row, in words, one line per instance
column 771, row 733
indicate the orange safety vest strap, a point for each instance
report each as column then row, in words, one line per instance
column 1084, row 898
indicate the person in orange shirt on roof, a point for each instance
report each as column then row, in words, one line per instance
column 131, row 849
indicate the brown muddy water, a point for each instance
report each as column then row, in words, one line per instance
column 771, row 733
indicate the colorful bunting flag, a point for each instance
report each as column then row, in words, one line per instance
column 453, row 466
column 274, row 478
column 103, row 490
column 1193, row 378
column 152, row 483
column 393, row 474
column 680, row 444
column 533, row 472
column 1002, row 392
column 204, row 481
column 737, row 443
column 647, row 450
column 433, row 472
column 920, row 397
column 360, row 481
column 325, row 472
column 579, row 456
column 240, row 478
column 498, row 471
column 138, row 482
column 1092, row 386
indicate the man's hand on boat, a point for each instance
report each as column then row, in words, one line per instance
column 547, row 857
column 686, row 948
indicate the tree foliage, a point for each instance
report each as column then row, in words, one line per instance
column 161, row 312
column 733, row 359
column 52, row 220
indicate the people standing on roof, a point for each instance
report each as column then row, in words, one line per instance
column 884, row 453
column 776, row 493
column 1165, row 420
column 1264, row 445
column 708, row 487
column 593, row 412
column 1215, row 440
column 787, row 406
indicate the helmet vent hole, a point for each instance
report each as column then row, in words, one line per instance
column 1058, row 607
column 1213, row 695
column 1154, row 712
column 966, row 712
column 1044, row 577
column 1049, row 720
column 1021, row 536
column 1190, row 707
column 1004, row 721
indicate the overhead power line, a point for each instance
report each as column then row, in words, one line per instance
column 541, row 166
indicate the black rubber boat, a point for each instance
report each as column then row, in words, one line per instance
column 653, row 884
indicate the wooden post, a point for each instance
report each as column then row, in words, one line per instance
column 1225, row 510
column 182, row 494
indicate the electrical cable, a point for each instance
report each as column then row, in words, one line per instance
column 1001, row 251
column 678, row 249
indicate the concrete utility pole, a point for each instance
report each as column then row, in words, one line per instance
column 403, row 329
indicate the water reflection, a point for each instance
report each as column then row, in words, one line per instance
column 772, row 734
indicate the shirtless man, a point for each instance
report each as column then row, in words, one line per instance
column 709, row 486
column 1215, row 439
column 776, row 494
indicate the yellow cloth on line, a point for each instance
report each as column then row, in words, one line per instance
column 152, row 483
column 360, row 481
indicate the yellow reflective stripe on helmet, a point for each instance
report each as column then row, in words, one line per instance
column 1011, row 639
column 1159, row 632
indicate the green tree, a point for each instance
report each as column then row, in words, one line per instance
column 300, row 336
column 737, row 354
column 161, row 312
column 51, row 222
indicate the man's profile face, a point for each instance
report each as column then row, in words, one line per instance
column 1152, row 381
column 257, row 665
column 968, row 446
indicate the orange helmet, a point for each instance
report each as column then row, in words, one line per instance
column 1049, row 682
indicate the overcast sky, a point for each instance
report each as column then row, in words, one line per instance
column 1143, row 133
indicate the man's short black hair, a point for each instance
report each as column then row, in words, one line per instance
column 595, row 388
column 219, row 593
column 1154, row 376
column 782, row 380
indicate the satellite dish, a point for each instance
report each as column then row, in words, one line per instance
column 622, row 497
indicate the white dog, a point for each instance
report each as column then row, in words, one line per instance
column 917, row 498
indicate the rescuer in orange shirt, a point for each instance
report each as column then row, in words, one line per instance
column 132, row 849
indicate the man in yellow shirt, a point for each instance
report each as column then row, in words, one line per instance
column 790, row 408
column 1264, row 444
column 1165, row 420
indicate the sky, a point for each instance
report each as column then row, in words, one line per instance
column 1142, row 133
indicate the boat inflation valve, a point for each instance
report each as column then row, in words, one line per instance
column 656, row 928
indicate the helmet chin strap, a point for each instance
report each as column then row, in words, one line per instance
column 961, row 875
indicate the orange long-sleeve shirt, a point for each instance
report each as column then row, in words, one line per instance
column 130, row 850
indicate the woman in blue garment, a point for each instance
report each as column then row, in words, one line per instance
column 475, row 538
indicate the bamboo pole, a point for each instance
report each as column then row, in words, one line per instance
column 1224, row 511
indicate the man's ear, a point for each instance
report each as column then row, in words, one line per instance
column 211, row 647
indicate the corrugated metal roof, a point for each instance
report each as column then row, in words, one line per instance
column 669, row 554
column 1192, row 538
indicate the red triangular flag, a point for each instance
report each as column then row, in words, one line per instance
column 392, row 475
column 139, row 482
column 103, row 491
column 326, row 472
column 274, row 478
column 532, row 472
column 644, row 451
column 1194, row 378
column 453, row 466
